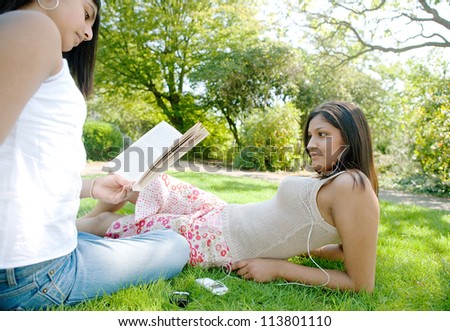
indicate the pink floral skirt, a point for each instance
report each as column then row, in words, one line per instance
column 170, row 203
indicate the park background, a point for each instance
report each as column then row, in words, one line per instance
column 250, row 71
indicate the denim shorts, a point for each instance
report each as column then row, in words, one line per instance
column 96, row 267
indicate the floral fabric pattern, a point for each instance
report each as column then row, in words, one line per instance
column 170, row 203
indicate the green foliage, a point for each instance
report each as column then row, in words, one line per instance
column 425, row 183
column 134, row 114
column 245, row 78
column 432, row 122
column 270, row 140
column 415, row 154
column 154, row 46
column 420, row 155
column 432, row 145
column 103, row 141
column 411, row 127
column 218, row 146
column 211, row 61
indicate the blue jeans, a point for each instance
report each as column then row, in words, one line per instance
column 96, row 267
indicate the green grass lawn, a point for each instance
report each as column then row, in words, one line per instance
column 413, row 266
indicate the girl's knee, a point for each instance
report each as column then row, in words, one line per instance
column 171, row 249
column 177, row 247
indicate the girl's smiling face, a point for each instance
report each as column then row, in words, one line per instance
column 74, row 19
column 325, row 144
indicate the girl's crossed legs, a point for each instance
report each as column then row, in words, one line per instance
column 172, row 204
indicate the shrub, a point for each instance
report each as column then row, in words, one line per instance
column 432, row 140
column 270, row 141
column 429, row 91
column 103, row 141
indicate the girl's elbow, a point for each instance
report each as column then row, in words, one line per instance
column 360, row 284
column 367, row 287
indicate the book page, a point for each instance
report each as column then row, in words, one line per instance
column 180, row 147
column 140, row 156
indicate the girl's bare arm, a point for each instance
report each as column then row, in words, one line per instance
column 30, row 52
column 356, row 214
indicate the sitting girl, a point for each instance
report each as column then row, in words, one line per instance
column 333, row 215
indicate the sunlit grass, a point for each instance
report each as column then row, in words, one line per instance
column 413, row 266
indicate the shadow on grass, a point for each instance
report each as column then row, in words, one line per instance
column 413, row 258
column 415, row 224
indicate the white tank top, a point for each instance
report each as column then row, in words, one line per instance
column 40, row 183
column 279, row 228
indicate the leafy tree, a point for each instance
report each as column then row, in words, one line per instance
column 134, row 113
column 153, row 46
column 103, row 141
column 238, row 81
column 430, row 92
column 379, row 25
column 271, row 140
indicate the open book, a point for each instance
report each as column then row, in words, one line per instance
column 154, row 153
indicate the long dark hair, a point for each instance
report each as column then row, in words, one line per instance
column 355, row 131
column 81, row 59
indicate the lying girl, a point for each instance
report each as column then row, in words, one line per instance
column 333, row 214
